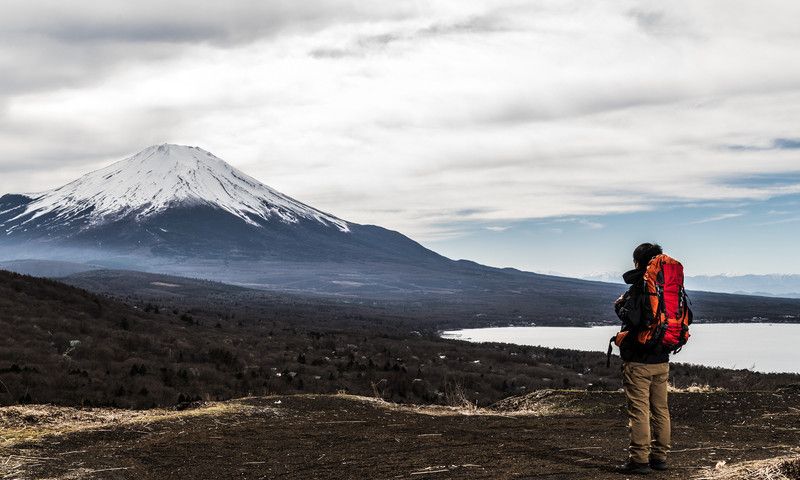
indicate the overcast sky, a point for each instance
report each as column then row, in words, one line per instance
column 509, row 132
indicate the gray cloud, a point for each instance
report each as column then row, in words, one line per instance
column 41, row 64
column 360, row 46
column 332, row 52
column 180, row 21
column 46, row 154
column 660, row 21
column 648, row 19
column 57, row 44
column 492, row 22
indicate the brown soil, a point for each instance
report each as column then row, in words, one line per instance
column 550, row 434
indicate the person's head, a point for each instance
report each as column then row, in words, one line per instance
column 644, row 253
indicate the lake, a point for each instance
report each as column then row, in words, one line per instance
column 762, row 347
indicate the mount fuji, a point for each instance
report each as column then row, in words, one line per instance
column 183, row 203
column 156, row 179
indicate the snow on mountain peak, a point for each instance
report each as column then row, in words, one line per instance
column 166, row 175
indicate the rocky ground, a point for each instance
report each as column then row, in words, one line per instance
column 547, row 434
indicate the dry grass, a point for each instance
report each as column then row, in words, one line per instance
column 432, row 410
column 456, row 396
column 694, row 388
column 27, row 423
column 22, row 425
column 781, row 468
column 548, row 402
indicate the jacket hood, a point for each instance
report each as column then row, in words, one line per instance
column 633, row 276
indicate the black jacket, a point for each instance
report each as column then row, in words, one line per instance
column 634, row 312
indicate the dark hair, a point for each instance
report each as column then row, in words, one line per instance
column 645, row 252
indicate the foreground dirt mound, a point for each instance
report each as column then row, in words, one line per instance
column 784, row 468
column 559, row 402
column 549, row 434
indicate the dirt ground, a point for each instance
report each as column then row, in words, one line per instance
column 549, row 434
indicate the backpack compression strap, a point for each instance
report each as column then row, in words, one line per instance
column 610, row 349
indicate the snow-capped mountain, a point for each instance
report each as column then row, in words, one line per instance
column 178, row 202
column 155, row 179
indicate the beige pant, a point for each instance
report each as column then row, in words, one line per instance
column 646, row 391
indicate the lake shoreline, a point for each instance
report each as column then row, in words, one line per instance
column 764, row 347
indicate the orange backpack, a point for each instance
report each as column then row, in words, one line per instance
column 668, row 316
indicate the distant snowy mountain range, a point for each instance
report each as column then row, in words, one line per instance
column 775, row 285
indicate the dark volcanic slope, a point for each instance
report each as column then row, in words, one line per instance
column 67, row 346
column 203, row 232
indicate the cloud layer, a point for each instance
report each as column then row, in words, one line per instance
column 428, row 117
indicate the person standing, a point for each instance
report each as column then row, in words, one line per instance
column 645, row 372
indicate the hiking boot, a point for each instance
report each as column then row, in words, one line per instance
column 659, row 465
column 634, row 467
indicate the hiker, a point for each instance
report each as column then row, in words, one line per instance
column 655, row 321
